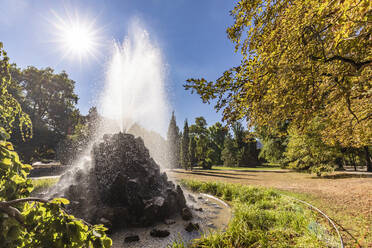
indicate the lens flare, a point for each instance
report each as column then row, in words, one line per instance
column 77, row 37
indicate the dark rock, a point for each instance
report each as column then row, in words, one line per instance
column 186, row 214
column 131, row 238
column 105, row 222
column 192, row 198
column 192, row 227
column 159, row 233
column 124, row 186
column 211, row 225
column 169, row 221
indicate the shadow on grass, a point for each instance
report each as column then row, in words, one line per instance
column 219, row 172
column 206, row 174
column 345, row 175
column 271, row 171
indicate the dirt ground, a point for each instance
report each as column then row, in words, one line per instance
column 345, row 197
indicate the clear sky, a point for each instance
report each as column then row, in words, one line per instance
column 191, row 34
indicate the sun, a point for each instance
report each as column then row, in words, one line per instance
column 77, row 37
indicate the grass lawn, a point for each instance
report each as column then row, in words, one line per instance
column 262, row 218
column 347, row 200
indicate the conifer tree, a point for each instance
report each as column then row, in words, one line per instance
column 185, row 153
column 192, row 151
column 173, row 140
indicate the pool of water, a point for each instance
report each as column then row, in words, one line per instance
column 214, row 215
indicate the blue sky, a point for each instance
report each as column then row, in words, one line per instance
column 191, row 34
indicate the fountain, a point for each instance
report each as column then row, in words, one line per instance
column 119, row 184
column 117, row 180
column 124, row 186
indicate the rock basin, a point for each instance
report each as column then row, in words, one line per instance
column 214, row 216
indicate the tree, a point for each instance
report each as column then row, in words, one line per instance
column 241, row 149
column 203, row 151
column 50, row 101
column 173, row 139
column 301, row 60
column 217, row 134
column 185, row 153
column 307, row 151
column 274, row 142
column 228, row 154
column 25, row 221
column 10, row 109
column 192, row 152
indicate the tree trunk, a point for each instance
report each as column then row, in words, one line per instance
column 368, row 159
column 354, row 161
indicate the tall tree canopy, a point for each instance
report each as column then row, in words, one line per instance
column 10, row 109
column 49, row 99
column 301, row 60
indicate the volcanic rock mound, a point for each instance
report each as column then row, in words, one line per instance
column 124, row 186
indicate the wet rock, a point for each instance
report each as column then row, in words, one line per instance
column 191, row 197
column 199, row 209
column 186, row 214
column 131, row 238
column 211, row 225
column 123, row 185
column 159, row 233
column 169, row 221
column 105, row 222
column 192, row 227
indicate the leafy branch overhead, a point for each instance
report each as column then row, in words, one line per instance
column 300, row 60
column 32, row 222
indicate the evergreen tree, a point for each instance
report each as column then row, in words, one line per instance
column 185, row 153
column 217, row 134
column 173, row 140
column 192, row 151
column 228, row 154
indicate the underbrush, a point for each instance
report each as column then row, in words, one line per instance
column 261, row 218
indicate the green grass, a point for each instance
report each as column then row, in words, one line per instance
column 41, row 184
column 261, row 218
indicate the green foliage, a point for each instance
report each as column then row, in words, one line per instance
column 274, row 142
column 241, row 150
column 228, row 154
column 173, row 140
column 307, row 151
column 217, row 134
column 71, row 146
column 185, row 141
column 301, row 59
column 49, row 99
column 39, row 223
column 262, row 218
column 203, row 151
column 192, row 151
column 10, row 109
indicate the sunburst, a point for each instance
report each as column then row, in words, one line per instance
column 78, row 38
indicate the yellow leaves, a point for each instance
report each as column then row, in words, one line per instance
column 60, row 201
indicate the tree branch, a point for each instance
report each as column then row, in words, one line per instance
column 357, row 65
